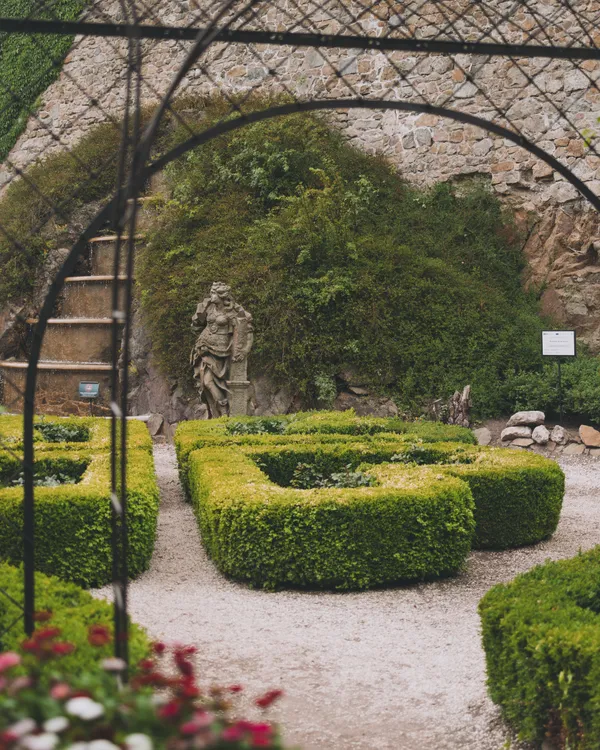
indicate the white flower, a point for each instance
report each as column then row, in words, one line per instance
column 84, row 708
column 57, row 724
column 114, row 664
column 23, row 727
column 102, row 745
column 46, row 741
column 138, row 742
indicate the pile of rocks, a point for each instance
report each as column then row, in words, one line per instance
column 526, row 429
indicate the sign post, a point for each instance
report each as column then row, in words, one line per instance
column 89, row 390
column 559, row 344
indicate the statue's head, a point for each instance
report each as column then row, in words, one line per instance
column 220, row 292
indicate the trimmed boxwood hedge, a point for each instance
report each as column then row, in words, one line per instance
column 73, row 521
column 518, row 494
column 309, row 428
column 11, row 434
column 515, row 498
column 541, row 635
column 328, row 538
column 73, row 611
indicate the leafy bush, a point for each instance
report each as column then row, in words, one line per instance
column 73, row 611
column 29, row 63
column 260, row 426
column 327, row 538
column 539, row 389
column 342, row 265
column 57, row 432
column 73, row 522
column 328, row 525
column 541, row 635
column 48, row 472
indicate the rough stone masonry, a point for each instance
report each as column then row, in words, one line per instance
column 561, row 248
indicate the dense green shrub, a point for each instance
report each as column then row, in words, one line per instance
column 73, row 611
column 342, row 265
column 29, row 63
column 73, row 521
column 541, row 635
column 328, row 538
column 258, row 525
column 308, row 428
column 538, row 389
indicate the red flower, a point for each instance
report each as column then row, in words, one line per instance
column 233, row 733
column 98, row 635
column 268, row 698
column 235, row 688
column 261, row 740
column 185, row 667
column 42, row 616
column 45, row 634
column 63, row 648
column 30, row 645
column 170, row 710
column 147, row 665
column 158, row 647
column 8, row 737
column 200, row 722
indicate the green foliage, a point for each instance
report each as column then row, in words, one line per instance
column 341, row 264
column 541, row 635
column 260, row 426
column 73, row 521
column 73, row 611
column 60, row 432
column 347, row 511
column 48, row 472
column 29, row 63
column 327, row 538
column 539, row 389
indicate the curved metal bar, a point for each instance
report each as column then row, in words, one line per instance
column 211, row 133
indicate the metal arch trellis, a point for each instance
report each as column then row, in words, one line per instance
column 459, row 28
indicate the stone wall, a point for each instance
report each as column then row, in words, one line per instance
column 425, row 148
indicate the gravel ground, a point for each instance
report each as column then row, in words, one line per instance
column 399, row 668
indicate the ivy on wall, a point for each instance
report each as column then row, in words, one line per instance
column 29, row 63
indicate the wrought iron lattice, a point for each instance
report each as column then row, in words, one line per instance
column 388, row 73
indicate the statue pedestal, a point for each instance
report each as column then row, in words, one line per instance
column 238, row 385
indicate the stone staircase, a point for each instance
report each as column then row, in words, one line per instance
column 77, row 345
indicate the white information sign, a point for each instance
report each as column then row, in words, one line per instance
column 558, row 343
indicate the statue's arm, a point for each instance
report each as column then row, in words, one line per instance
column 199, row 317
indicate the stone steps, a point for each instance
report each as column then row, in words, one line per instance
column 77, row 343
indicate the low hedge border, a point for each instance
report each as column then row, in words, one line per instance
column 308, row 427
column 11, row 434
column 335, row 538
column 73, row 611
column 541, row 635
column 73, row 521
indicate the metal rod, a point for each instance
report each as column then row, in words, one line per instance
column 560, row 395
column 347, row 41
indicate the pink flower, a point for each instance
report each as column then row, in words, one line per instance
column 63, row 648
column 9, row 659
column 60, row 691
column 170, row 710
column 158, row 647
column 233, row 733
column 235, row 688
column 98, row 635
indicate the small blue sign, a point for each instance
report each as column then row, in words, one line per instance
column 88, row 389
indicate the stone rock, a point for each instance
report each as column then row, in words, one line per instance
column 559, row 435
column 541, row 435
column 523, row 442
column 514, row 433
column 574, row 449
column 155, row 423
column 589, row 436
column 483, row 436
column 267, row 398
column 366, row 406
column 595, row 452
column 526, row 418
column 358, row 391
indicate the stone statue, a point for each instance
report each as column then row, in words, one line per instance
column 219, row 356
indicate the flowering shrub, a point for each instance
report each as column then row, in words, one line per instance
column 161, row 706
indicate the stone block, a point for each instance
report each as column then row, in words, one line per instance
column 522, row 442
column 514, row 433
column 574, row 449
column 559, row 435
column 541, row 435
column 526, row 418
column 589, row 436
column 483, row 435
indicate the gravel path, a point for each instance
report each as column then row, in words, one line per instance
column 395, row 669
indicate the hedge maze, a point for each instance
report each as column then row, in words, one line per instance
column 432, row 495
column 72, row 499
